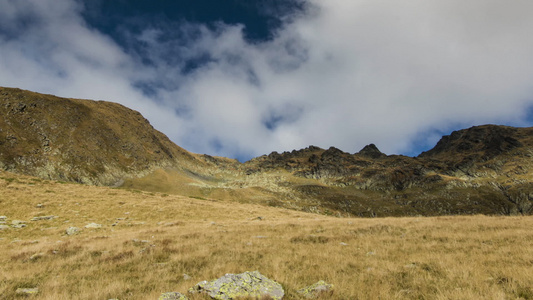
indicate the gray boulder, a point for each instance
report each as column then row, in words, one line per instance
column 2, row 227
column 172, row 296
column 247, row 284
column 72, row 230
column 18, row 224
column 315, row 290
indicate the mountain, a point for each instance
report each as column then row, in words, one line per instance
column 93, row 142
column 481, row 170
column 484, row 169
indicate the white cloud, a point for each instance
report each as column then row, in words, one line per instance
column 46, row 46
column 346, row 73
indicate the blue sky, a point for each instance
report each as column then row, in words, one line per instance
column 243, row 78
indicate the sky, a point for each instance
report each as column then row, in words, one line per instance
column 243, row 78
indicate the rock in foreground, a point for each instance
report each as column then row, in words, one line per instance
column 247, row 284
column 72, row 230
column 315, row 290
column 172, row 296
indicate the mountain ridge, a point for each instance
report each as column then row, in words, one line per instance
column 480, row 170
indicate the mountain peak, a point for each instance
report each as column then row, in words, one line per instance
column 486, row 141
column 371, row 151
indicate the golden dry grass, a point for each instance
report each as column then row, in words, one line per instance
column 157, row 238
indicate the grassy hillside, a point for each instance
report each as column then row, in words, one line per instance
column 148, row 240
column 93, row 142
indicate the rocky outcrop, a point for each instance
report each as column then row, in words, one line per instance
column 371, row 151
column 172, row 296
column 480, row 170
column 247, row 284
column 484, row 142
column 72, row 231
column 40, row 218
column 321, row 288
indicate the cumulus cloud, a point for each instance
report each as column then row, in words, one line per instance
column 342, row 73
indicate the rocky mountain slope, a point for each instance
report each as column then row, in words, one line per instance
column 484, row 169
column 481, row 170
column 85, row 141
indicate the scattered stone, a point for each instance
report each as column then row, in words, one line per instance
column 27, row 291
column 3, row 222
column 260, row 218
column 186, row 277
column 43, row 218
column 72, row 230
column 93, row 225
column 48, row 228
column 17, row 222
column 371, row 253
column 40, row 205
column 140, row 241
column 316, row 290
column 3, row 218
column 2, row 227
column 410, row 266
column 247, row 284
column 36, row 256
column 172, row 296
column 22, row 225
column 260, row 237
column 344, row 244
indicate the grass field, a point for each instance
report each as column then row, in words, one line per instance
column 148, row 241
